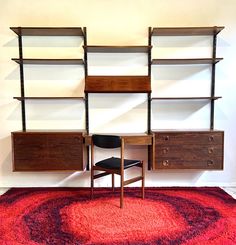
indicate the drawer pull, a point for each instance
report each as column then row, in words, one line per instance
column 210, row 162
column 210, row 150
column 165, row 163
column 166, row 137
column 165, row 150
column 211, row 138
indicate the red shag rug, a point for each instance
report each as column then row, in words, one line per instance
column 67, row 216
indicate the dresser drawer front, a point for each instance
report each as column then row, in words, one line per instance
column 47, row 151
column 182, row 163
column 189, row 150
column 171, row 138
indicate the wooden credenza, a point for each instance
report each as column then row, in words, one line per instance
column 188, row 150
column 46, row 151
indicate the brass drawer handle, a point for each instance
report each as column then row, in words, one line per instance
column 210, row 162
column 211, row 138
column 166, row 137
column 210, row 150
column 165, row 150
column 165, row 163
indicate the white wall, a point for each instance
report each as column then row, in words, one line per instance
column 123, row 22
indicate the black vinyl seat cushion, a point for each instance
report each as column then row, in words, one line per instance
column 114, row 163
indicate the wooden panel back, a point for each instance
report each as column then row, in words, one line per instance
column 117, row 84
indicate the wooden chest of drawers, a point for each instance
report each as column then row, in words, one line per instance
column 188, row 149
column 45, row 151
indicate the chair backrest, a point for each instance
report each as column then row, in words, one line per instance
column 106, row 141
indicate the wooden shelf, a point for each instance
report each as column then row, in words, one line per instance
column 48, row 98
column 49, row 61
column 201, row 61
column 186, row 31
column 186, row 98
column 117, row 49
column 48, row 31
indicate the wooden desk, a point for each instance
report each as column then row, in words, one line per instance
column 129, row 139
column 134, row 139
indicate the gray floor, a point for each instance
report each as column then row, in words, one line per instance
column 229, row 190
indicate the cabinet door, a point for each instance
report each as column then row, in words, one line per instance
column 29, row 152
column 47, row 151
column 65, row 151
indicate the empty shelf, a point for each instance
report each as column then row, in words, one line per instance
column 185, row 61
column 48, row 31
column 186, row 31
column 186, row 98
column 49, row 61
column 48, row 98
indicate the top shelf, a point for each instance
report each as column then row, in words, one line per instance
column 48, row 31
column 117, row 49
column 186, row 31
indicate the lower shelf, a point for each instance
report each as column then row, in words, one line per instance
column 48, row 151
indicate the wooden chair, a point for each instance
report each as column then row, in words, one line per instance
column 114, row 165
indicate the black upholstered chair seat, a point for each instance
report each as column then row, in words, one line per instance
column 114, row 163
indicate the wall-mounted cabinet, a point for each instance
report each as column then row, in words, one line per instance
column 48, row 151
column 189, row 149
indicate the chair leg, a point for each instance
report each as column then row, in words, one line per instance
column 92, row 183
column 121, row 189
column 143, row 179
column 113, row 182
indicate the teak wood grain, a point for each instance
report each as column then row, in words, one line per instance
column 117, row 84
column 132, row 139
column 46, row 151
column 189, row 150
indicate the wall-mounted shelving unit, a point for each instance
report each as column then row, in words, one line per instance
column 170, row 149
column 46, row 150
column 184, row 148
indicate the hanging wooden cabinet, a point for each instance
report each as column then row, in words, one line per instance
column 47, row 151
column 189, row 150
